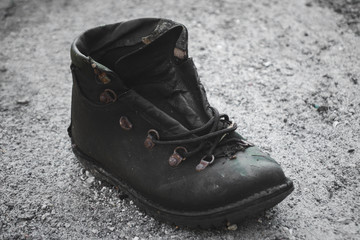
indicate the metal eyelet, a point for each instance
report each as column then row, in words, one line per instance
column 175, row 159
column 203, row 163
column 155, row 133
column 151, row 135
column 108, row 96
column 100, row 75
column 125, row 123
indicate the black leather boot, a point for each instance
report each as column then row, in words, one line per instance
column 141, row 121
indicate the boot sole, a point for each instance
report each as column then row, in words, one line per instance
column 217, row 217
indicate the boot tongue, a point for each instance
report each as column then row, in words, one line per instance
column 152, row 73
column 149, row 61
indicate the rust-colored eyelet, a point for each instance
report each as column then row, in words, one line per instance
column 151, row 135
column 125, row 123
column 108, row 96
column 100, row 75
column 103, row 78
column 175, row 159
column 203, row 163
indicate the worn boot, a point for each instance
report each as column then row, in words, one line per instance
column 141, row 121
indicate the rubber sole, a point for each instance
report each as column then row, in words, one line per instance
column 217, row 217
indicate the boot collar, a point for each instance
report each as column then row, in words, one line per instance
column 128, row 33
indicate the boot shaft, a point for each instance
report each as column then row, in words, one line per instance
column 148, row 56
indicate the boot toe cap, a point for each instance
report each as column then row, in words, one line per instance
column 225, row 182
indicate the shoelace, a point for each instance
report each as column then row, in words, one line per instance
column 220, row 125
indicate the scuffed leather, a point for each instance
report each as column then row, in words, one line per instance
column 97, row 133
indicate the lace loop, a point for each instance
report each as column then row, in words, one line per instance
column 203, row 163
column 150, row 139
column 210, row 136
column 176, row 158
column 196, row 139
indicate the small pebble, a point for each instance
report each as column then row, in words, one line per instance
column 43, row 217
column 287, row 72
column 267, row 64
column 344, row 220
column 232, row 227
column 26, row 216
column 90, row 180
column 354, row 80
column 22, row 102
column 322, row 109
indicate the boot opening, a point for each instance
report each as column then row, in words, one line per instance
column 106, row 45
column 150, row 57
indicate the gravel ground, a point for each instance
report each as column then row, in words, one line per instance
column 349, row 8
column 288, row 72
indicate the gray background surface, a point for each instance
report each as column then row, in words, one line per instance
column 286, row 71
